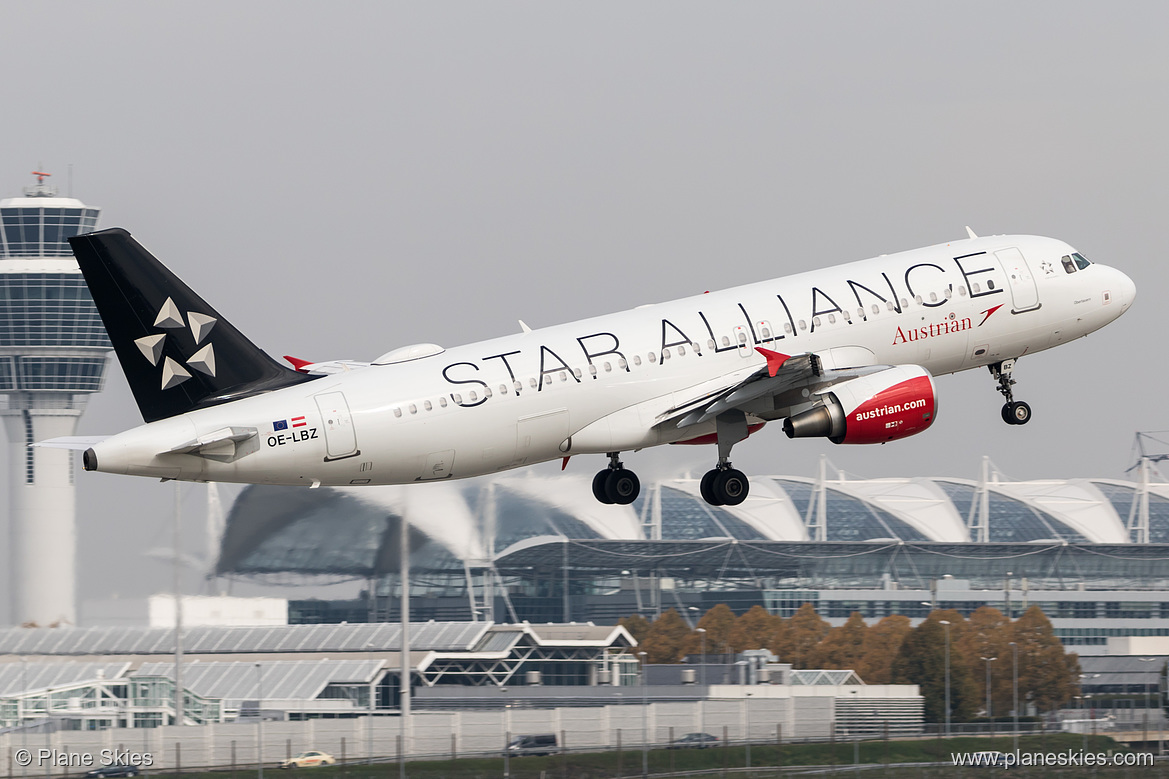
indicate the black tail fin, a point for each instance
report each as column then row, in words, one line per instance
column 177, row 352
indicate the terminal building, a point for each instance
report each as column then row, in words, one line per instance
column 1092, row 553
column 52, row 357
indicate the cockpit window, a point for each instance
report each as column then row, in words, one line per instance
column 1068, row 264
column 1081, row 260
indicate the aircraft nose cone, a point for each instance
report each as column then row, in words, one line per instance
column 1126, row 291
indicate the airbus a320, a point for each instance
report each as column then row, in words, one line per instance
column 847, row 353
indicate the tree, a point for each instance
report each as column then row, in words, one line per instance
column 718, row 623
column 665, row 641
column 880, row 647
column 921, row 660
column 1048, row 676
column 757, row 629
column 842, row 647
column 988, row 634
column 800, row 636
column 637, row 625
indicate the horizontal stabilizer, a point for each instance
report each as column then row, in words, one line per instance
column 78, row 442
column 225, row 445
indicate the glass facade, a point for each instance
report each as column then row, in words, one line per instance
column 1011, row 521
column 1123, row 500
column 851, row 519
column 42, row 232
column 48, row 309
column 687, row 518
column 62, row 374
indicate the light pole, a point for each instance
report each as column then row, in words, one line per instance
column 989, row 714
column 23, row 704
column 506, row 736
column 1015, row 693
column 702, row 635
column 946, row 624
column 644, row 719
column 747, row 701
column 259, row 721
column 705, row 691
column 1146, row 685
column 692, row 612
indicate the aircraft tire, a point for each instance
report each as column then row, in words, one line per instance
column 731, row 487
column 599, row 486
column 1020, row 413
column 622, row 486
column 706, row 487
column 1008, row 415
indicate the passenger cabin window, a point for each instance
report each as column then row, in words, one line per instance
column 442, row 402
column 1081, row 260
column 726, row 341
column 637, row 359
column 652, row 357
column 427, row 405
column 1069, row 264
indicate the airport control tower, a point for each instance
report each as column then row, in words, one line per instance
column 52, row 355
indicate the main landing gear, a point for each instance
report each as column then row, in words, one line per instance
column 1015, row 412
column 724, row 485
column 616, row 484
column 721, row 486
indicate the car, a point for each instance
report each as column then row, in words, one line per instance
column 695, row 741
column 308, row 760
column 117, row 769
column 540, row 744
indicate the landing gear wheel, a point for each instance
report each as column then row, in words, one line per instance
column 1008, row 414
column 706, row 487
column 731, row 487
column 1019, row 412
column 622, row 486
column 599, row 486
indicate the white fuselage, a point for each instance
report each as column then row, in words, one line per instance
column 603, row 384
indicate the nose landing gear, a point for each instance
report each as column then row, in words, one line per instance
column 616, row 484
column 1015, row 412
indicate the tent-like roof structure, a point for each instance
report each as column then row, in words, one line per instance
column 459, row 525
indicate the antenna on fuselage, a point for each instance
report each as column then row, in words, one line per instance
column 970, row 232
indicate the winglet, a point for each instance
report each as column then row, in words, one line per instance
column 775, row 360
column 298, row 363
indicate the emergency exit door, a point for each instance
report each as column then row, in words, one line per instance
column 340, row 437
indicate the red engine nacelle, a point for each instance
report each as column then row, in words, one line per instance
column 884, row 406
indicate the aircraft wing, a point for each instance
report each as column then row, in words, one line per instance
column 769, row 392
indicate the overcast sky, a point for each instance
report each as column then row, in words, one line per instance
column 339, row 179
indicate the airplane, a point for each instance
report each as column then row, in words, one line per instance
column 847, row 353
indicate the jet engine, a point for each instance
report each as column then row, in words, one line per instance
column 883, row 406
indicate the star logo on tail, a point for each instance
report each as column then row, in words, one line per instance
column 170, row 318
